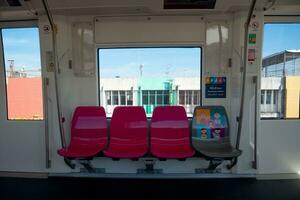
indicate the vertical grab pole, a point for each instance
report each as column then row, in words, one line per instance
column 255, row 122
column 45, row 91
column 54, row 48
column 241, row 115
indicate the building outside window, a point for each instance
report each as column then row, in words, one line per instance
column 150, row 77
column 21, row 50
column 269, row 97
column 262, row 99
column 129, row 98
column 122, row 98
column 108, row 97
column 115, row 97
column 280, row 80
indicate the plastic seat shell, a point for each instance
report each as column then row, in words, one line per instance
column 213, row 148
column 170, row 134
column 128, row 133
column 89, row 134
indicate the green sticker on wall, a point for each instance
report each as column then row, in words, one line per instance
column 252, row 38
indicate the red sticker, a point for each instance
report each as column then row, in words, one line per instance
column 251, row 55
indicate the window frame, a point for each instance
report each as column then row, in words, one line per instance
column 275, row 19
column 14, row 25
column 201, row 46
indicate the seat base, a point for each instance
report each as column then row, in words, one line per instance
column 221, row 152
column 216, row 149
column 121, row 148
column 78, row 153
column 124, row 155
column 173, row 155
column 171, row 148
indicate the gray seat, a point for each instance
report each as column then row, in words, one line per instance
column 210, row 133
column 216, row 149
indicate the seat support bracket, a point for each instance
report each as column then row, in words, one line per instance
column 214, row 163
column 68, row 162
column 87, row 165
column 212, row 167
column 149, row 163
column 233, row 162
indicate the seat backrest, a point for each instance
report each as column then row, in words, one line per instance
column 129, row 122
column 210, row 123
column 169, row 117
column 89, row 122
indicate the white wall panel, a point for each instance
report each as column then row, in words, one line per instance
column 279, row 149
column 154, row 29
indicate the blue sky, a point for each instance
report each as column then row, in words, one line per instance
column 157, row 62
column 22, row 45
column 279, row 37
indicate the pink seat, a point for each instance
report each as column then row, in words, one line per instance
column 170, row 135
column 88, row 133
column 128, row 133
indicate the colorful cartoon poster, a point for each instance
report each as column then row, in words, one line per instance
column 215, row 87
column 202, row 116
column 210, row 124
column 219, row 123
column 202, row 123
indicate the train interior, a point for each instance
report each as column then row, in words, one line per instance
column 150, row 89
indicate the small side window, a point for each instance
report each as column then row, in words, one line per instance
column 280, row 81
column 21, row 48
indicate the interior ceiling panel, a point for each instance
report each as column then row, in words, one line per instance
column 154, row 5
column 143, row 7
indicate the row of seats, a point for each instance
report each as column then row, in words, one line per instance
column 168, row 136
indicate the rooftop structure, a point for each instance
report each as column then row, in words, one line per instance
column 284, row 63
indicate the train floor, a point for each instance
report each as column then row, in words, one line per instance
column 95, row 188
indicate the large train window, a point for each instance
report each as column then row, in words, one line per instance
column 21, row 48
column 150, row 77
column 280, row 82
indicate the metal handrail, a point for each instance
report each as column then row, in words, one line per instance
column 54, row 48
column 241, row 115
column 46, row 118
